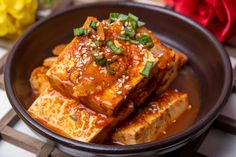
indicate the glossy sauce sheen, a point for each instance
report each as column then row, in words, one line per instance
column 186, row 82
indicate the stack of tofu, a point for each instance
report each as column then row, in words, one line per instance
column 96, row 81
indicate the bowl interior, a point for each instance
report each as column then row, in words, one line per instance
column 207, row 61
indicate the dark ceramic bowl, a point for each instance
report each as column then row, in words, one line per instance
column 208, row 62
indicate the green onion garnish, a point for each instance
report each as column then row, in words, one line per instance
column 80, row 31
column 132, row 17
column 129, row 32
column 123, row 17
column 146, row 40
column 93, row 24
column 100, row 60
column 122, row 38
column 134, row 42
column 147, row 69
column 113, row 17
column 110, row 70
column 113, row 47
column 141, row 24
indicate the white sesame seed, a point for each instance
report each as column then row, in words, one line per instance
column 91, row 78
column 120, row 85
column 122, row 32
column 159, row 55
column 127, row 86
column 119, row 92
column 108, row 50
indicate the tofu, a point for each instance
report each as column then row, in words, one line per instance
column 38, row 79
column 77, row 75
column 71, row 119
column 56, row 111
column 48, row 62
column 153, row 119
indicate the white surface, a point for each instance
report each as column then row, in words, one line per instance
column 7, row 149
column 2, row 52
column 219, row 144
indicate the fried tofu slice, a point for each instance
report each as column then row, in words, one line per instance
column 58, row 49
column 65, row 115
column 48, row 62
column 105, row 88
column 70, row 118
column 38, row 79
column 153, row 119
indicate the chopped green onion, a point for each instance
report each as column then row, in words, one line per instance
column 86, row 31
column 150, row 44
column 122, row 38
column 74, row 117
column 110, row 70
column 123, row 17
column 141, row 24
column 113, row 47
column 129, row 32
column 147, row 69
column 146, row 40
column 133, row 20
column 93, row 24
column 134, row 42
column 132, row 17
column 100, row 60
column 113, row 17
column 80, row 31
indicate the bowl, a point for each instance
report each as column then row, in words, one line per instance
column 208, row 64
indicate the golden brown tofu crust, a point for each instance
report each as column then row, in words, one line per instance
column 72, row 119
column 153, row 119
column 38, row 79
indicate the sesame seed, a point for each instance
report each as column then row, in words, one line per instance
column 122, row 32
column 108, row 50
column 119, row 92
column 159, row 55
column 93, row 36
column 164, row 132
column 189, row 107
column 173, row 121
column 127, row 86
column 120, row 85
column 91, row 78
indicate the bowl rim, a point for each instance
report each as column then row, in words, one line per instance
column 161, row 145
